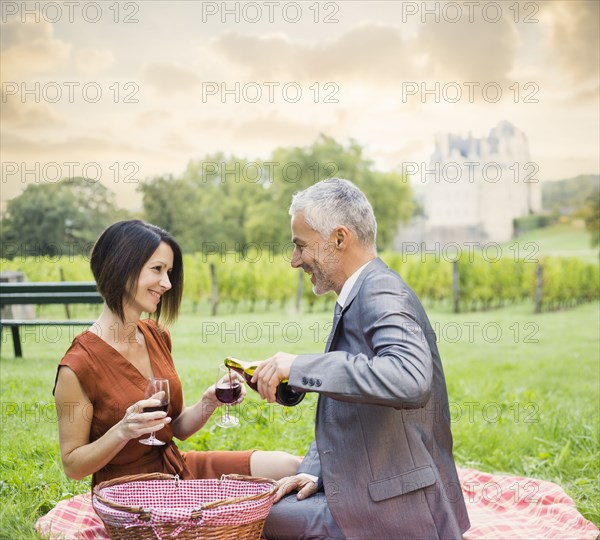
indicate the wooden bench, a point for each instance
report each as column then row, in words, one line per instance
column 64, row 292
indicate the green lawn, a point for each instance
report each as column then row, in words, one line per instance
column 563, row 240
column 524, row 398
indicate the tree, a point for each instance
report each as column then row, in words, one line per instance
column 206, row 208
column 566, row 197
column 223, row 204
column 57, row 219
column 169, row 203
column 391, row 198
column 590, row 213
column 297, row 168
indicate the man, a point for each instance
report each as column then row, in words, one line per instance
column 383, row 448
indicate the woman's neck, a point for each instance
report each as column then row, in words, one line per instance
column 117, row 332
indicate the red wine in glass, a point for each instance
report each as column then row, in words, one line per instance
column 164, row 407
column 157, row 389
column 227, row 390
column 228, row 393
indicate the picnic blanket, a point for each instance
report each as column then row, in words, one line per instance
column 500, row 507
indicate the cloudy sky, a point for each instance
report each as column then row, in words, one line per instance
column 128, row 90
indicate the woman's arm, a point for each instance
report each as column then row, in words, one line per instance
column 81, row 457
column 194, row 417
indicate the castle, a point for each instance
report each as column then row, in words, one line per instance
column 472, row 189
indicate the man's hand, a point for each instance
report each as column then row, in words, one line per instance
column 305, row 487
column 271, row 372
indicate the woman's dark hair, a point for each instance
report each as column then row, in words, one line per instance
column 117, row 260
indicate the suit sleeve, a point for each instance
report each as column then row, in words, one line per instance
column 398, row 369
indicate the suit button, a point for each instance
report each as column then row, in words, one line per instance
column 311, row 382
column 318, row 382
column 304, row 380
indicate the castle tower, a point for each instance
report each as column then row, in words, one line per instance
column 475, row 187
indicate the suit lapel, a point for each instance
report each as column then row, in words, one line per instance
column 375, row 264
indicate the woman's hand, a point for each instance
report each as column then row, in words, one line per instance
column 136, row 422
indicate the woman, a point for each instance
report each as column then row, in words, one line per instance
column 100, row 382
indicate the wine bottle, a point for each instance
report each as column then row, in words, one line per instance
column 284, row 395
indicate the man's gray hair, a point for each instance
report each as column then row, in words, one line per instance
column 335, row 202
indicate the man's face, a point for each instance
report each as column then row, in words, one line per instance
column 317, row 257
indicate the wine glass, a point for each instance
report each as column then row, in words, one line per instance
column 156, row 389
column 228, row 390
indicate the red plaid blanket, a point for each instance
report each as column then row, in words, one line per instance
column 500, row 507
column 72, row 519
column 507, row 507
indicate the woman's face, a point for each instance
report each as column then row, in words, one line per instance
column 154, row 280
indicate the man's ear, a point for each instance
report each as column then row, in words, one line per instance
column 341, row 237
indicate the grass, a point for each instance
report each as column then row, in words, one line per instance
column 561, row 240
column 524, row 398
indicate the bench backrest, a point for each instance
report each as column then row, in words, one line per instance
column 61, row 292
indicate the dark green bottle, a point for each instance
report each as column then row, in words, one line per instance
column 284, row 395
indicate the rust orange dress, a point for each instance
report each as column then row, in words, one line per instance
column 112, row 384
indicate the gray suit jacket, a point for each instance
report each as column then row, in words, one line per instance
column 383, row 447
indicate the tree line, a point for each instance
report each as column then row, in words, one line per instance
column 218, row 204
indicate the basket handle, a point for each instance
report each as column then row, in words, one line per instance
column 133, row 478
column 129, row 478
column 256, row 479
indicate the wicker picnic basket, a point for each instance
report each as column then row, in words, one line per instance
column 159, row 506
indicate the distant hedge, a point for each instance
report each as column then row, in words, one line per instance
column 484, row 282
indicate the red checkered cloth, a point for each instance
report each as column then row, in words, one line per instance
column 514, row 507
column 72, row 519
column 506, row 507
